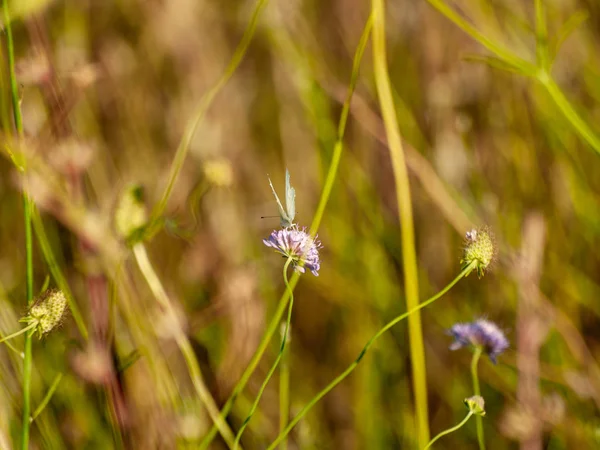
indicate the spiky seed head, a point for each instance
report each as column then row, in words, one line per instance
column 48, row 311
column 131, row 215
column 476, row 405
column 480, row 248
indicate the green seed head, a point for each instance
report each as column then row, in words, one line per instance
column 48, row 311
column 480, row 249
column 476, row 405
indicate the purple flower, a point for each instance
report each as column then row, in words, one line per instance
column 483, row 333
column 299, row 246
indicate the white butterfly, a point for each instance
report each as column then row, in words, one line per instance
column 286, row 216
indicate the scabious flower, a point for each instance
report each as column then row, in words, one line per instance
column 47, row 312
column 480, row 249
column 295, row 243
column 481, row 333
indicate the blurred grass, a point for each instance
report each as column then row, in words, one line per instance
column 483, row 146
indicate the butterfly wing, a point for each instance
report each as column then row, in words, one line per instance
column 282, row 213
column 290, row 199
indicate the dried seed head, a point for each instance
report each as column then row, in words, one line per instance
column 47, row 312
column 476, row 405
column 480, row 249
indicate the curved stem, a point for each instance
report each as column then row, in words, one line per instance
column 476, row 391
column 59, row 278
column 275, row 363
column 569, row 111
column 20, row 332
column 450, row 430
column 407, row 232
column 205, row 103
column 352, row 366
column 15, row 349
column 325, row 194
column 141, row 257
column 47, row 398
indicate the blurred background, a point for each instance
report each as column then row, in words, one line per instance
column 107, row 88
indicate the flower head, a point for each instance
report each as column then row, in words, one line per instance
column 480, row 249
column 47, row 312
column 295, row 243
column 481, row 333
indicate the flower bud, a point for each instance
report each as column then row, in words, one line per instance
column 476, row 405
column 130, row 215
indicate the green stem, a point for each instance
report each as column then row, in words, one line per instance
column 20, row 332
column 141, row 257
column 541, row 30
column 569, row 112
column 409, row 258
column 478, row 420
column 275, row 363
column 352, row 366
column 59, row 278
column 325, row 194
column 47, row 398
column 284, row 387
column 205, row 103
column 540, row 72
column 27, row 363
column 450, row 430
column 508, row 57
column 14, row 349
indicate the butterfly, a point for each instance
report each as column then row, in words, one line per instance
column 286, row 216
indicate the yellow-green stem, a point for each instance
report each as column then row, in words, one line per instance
column 371, row 341
column 47, row 398
column 277, row 359
column 450, row 430
column 409, row 258
column 20, row 332
column 205, row 103
column 27, row 363
column 325, row 194
column 478, row 420
column 145, row 266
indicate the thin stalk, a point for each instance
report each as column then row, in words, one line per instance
column 569, row 111
column 59, row 278
column 478, row 420
column 47, row 398
column 284, row 388
column 324, row 199
column 409, row 257
column 541, row 31
column 539, row 72
column 143, row 262
column 20, row 332
column 371, row 341
column 27, row 363
column 275, row 363
column 497, row 49
column 15, row 349
column 450, row 430
column 203, row 106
